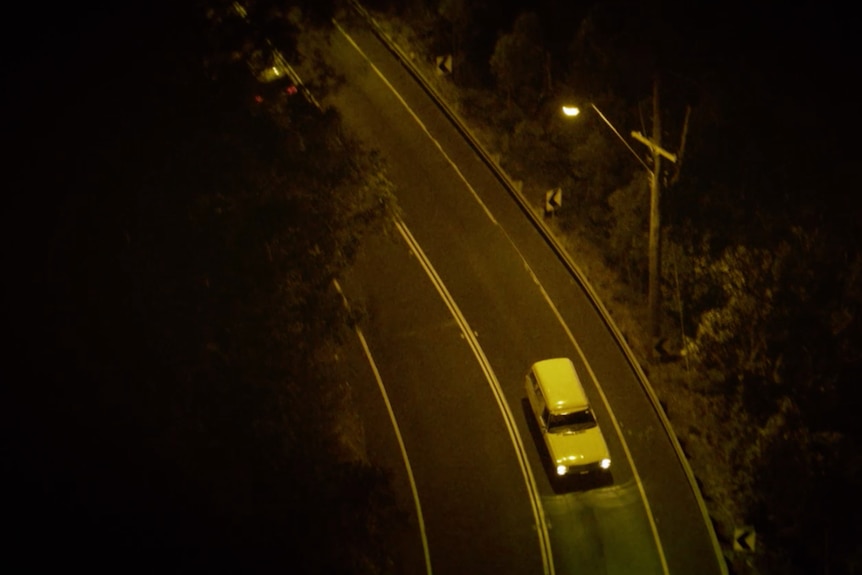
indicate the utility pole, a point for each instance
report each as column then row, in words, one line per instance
column 654, row 145
column 654, row 286
column 654, row 296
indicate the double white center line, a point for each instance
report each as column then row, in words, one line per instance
column 497, row 391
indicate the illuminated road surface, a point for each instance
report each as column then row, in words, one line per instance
column 520, row 305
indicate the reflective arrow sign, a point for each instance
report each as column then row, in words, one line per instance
column 743, row 538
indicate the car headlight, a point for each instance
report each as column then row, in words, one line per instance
column 561, row 469
column 606, row 463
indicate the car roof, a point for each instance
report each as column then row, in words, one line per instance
column 560, row 385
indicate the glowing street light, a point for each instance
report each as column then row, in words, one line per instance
column 572, row 111
column 654, row 145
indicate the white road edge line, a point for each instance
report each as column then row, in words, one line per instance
column 418, row 121
column 616, row 423
column 532, row 489
column 419, row 517
column 499, row 396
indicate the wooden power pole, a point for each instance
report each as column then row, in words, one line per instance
column 654, row 296
column 654, row 144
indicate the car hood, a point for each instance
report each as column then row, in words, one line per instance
column 577, row 448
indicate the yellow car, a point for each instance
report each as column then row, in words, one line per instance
column 565, row 419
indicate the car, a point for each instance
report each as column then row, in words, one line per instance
column 275, row 78
column 565, row 419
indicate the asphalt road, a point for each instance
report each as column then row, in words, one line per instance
column 459, row 305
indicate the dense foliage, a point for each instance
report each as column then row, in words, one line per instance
column 175, row 405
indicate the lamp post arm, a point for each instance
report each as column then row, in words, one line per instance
column 623, row 140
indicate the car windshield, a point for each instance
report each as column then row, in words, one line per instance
column 574, row 421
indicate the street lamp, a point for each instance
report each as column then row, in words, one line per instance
column 654, row 144
column 572, row 111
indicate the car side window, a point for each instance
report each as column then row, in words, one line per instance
column 534, row 383
column 546, row 417
column 541, row 398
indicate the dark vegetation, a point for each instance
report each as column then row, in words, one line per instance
column 762, row 276
column 170, row 401
column 169, row 247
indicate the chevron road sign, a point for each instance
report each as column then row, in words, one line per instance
column 743, row 538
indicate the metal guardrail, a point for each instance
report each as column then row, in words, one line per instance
column 294, row 77
column 561, row 253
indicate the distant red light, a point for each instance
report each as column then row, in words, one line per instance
column 291, row 90
column 258, row 98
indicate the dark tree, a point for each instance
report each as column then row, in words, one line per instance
column 173, row 407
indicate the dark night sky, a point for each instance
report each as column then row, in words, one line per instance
column 804, row 51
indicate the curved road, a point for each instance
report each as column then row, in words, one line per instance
column 460, row 302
